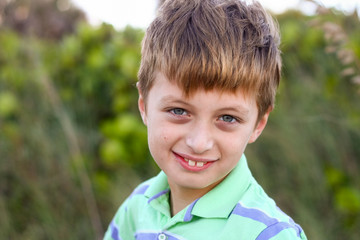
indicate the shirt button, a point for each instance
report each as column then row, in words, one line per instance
column 162, row 236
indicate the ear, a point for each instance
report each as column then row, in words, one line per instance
column 260, row 126
column 141, row 105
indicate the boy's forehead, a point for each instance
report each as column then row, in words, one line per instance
column 188, row 93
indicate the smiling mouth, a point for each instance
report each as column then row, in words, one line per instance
column 192, row 163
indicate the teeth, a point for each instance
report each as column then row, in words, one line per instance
column 200, row 164
column 191, row 163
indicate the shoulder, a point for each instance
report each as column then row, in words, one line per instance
column 141, row 188
column 256, row 201
column 135, row 198
column 263, row 217
column 138, row 194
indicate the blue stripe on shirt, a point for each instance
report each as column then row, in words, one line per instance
column 274, row 226
column 254, row 214
column 273, row 230
column 158, row 195
column 114, row 231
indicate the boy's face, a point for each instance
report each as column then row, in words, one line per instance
column 198, row 140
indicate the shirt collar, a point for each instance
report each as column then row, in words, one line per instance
column 221, row 200
column 158, row 194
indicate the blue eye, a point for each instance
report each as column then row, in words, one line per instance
column 178, row 111
column 228, row 118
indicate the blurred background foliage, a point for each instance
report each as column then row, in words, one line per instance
column 72, row 144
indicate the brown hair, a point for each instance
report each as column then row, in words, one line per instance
column 213, row 44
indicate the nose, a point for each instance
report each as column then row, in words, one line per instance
column 199, row 138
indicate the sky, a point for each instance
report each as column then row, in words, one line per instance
column 139, row 13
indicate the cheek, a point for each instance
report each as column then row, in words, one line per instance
column 158, row 136
column 161, row 141
column 235, row 145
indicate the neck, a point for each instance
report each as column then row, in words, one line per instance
column 181, row 197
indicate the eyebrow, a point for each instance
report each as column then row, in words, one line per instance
column 236, row 108
column 169, row 98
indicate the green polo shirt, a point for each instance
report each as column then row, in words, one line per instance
column 237, row 208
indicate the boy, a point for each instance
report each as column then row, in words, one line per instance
column 207, row 83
